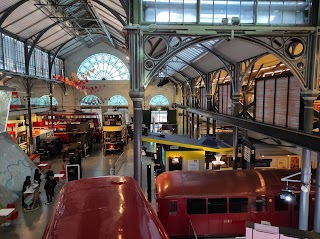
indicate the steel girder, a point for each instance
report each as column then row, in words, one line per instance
column 302, row 139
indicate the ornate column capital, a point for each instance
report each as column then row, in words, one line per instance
column 309, row 95
column 136, row 95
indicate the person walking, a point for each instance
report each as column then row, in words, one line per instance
column 49, row 187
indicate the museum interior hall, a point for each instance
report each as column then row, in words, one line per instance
column 202, row 113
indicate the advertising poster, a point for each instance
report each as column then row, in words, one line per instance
column 193, row 165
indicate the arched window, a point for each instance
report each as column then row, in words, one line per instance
column 159, row 100
column 90, row 100
column 15, row 99
column 117, row 100
column 103, row 66
column 45, row 100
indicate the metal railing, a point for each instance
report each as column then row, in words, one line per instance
column 114, row 169
column 192, row 233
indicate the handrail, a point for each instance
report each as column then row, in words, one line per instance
column 117, row 165
column 192, row 229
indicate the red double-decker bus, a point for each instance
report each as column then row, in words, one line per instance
column 61, row 119
column 109, row 207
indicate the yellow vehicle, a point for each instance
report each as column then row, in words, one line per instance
column 115, row 132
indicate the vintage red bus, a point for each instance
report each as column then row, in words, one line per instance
column 61, row 119
column 218, row 203
column 103, row 207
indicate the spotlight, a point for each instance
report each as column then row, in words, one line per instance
column 235, row 21
column 224, row 21
column 287, row 194
column 163, row 82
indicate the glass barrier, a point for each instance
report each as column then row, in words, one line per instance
column 5, row 98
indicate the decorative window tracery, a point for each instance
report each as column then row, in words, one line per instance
column 45, row 100
column 117, row 100
column 90, row 100
column 103, row 66
column 159, row 100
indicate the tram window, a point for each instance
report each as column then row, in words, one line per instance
column 173, row 208
column 217, row 205
column 280, row 204
column 196, row 206
column 259, row 205
column 297, row 203
column 238, row 205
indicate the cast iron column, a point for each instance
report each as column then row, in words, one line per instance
column 198, row 127
column 236, row 104
column 193, row 105
column 209, row 108
column 28, row 96
column 304, row 195
column 51, row 107
column 306, row 167
column 308, row 96
column 137, row 135
column 183, row 115
column 192, row 126
column 187, row 123
column 137, row 95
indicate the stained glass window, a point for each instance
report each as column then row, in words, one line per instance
column 90, row 100
column 117, row 100
column 103, row 66
column 45, row 100
column 159, row 100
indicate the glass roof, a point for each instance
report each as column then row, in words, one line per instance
column 188, row 55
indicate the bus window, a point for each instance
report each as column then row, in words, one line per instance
column 196, row 206
column 280, row 204
column 259, row 204
column 217, row 205
column 238, row 205
column 173, row 207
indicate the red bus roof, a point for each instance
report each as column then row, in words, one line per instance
column 67, row 113
column 203, row 184
column 103, row 207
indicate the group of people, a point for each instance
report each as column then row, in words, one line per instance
column 28, row 199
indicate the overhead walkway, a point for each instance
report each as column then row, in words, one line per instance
column 205, row 143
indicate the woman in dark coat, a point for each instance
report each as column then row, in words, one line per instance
column 49, row 187
column 26, row 184
column 37, row 176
